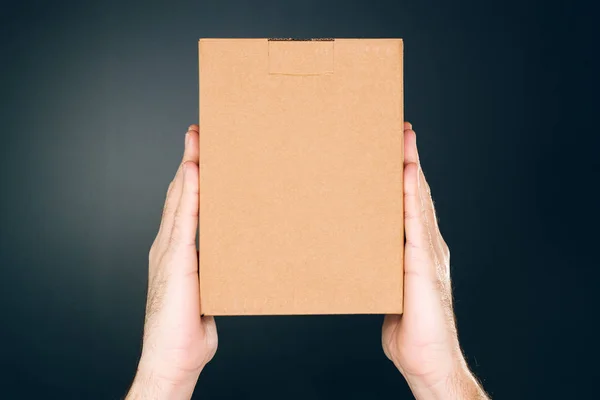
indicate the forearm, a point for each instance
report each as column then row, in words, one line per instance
column 460, row 384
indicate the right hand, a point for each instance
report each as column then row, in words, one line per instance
column 422, row 342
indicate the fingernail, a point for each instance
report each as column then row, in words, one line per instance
column 187, row 138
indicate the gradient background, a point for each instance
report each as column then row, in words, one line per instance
column 95, row 101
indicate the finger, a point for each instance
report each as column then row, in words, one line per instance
column 429, row 209
column 412, row 198
column 167, row 207
column 440, row 253
column 191, row 153
column 410, row 147
column 407, row 125
column 418, row 246
column 185, row 221
column 427, row 200
column 411, row 154
column 417, row 234
column 192, row 150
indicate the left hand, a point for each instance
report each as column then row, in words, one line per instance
column 178, row 342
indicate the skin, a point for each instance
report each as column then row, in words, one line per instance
column 177, row 343
column 422, row 343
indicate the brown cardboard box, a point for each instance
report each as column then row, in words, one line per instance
column 301, row 163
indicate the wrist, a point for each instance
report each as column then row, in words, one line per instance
column 457, row 383
column 151, row 383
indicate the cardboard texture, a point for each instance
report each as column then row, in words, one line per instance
column 301, row 166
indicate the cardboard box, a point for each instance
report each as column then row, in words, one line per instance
column 301, row 167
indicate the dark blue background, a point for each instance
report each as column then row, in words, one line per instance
column 95, row 100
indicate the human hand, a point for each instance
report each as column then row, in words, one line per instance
column 422, row 342
column 177, row 343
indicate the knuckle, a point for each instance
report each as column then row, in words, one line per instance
column 170, row 188
column 446, row 250
column 444, row 247
column 412, row 244
column 165, row 209
column 177, row 214
column 155, row 248
column 173, row 240
column 409, row 215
